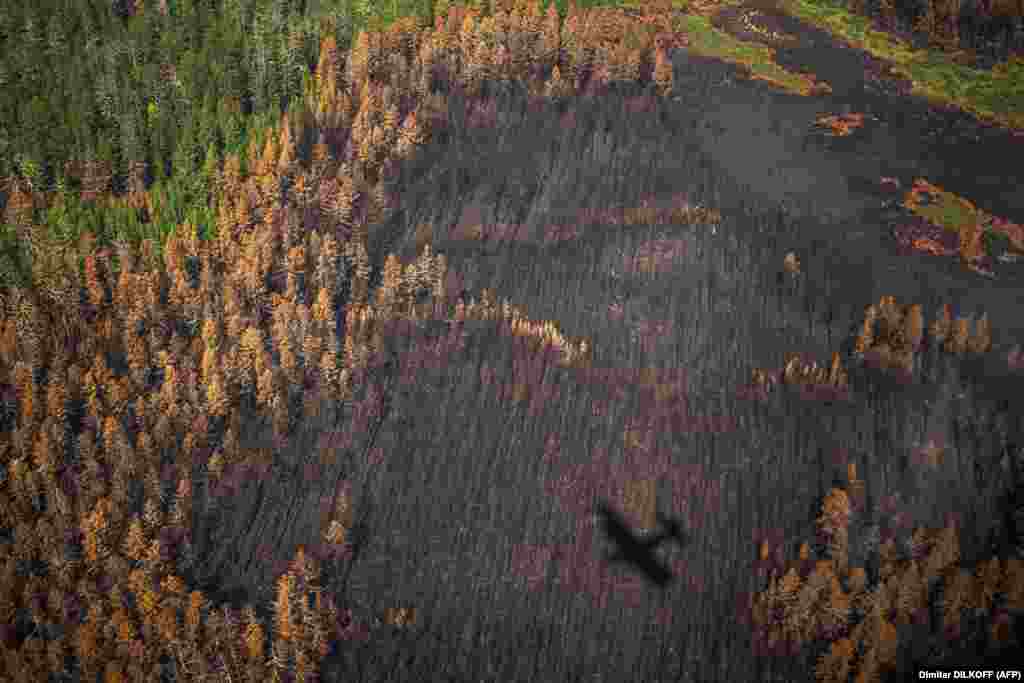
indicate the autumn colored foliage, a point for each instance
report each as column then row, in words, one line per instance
column 133, row 380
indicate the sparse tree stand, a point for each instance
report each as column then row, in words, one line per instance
column 939, row 22
column 663, row 77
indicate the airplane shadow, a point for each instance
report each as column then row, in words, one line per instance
column 637, row 550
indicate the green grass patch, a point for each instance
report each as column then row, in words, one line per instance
column 708, row 41
column 997, row 95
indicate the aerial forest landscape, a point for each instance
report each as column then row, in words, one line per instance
column 511, row 340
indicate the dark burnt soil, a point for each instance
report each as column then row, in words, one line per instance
column 765, row 139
